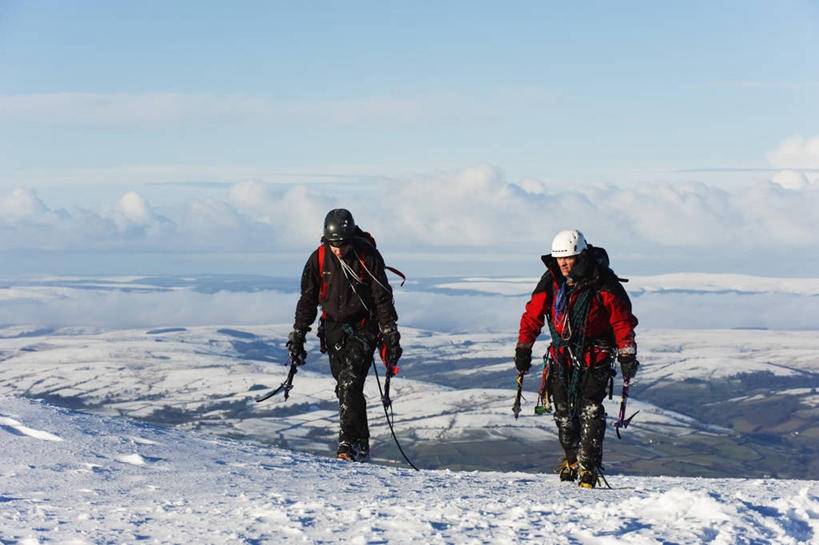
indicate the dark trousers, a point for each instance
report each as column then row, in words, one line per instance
column 581, row 427
column 351, row 347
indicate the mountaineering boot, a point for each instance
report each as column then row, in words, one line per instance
column 567, row 471
column 587, row 478
column 345, row 452
column 362, row 450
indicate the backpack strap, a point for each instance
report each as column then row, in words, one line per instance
column 322, row 295
column 323, row 286
column 397, row 272
column 363, row 266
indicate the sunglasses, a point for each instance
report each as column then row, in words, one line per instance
column 339, row 243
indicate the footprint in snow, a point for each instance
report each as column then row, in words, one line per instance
column 13, row 426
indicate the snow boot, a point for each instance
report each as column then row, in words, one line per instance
column 587, row 478
column 362, row 451
column 345, row 452
column 567, row 471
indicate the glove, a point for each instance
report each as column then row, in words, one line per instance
column 390, row 347
column 523, row 357
column 628, row 365
column 295, row 347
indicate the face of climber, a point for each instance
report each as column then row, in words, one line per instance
column 566, row 264
column 340, row 251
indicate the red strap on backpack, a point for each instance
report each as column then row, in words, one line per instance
column 322, row 295
column 323, row 286
column 371, row 240
column 397, row 272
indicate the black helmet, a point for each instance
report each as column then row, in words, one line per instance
column 339, row 227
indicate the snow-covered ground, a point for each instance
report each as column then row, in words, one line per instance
column 157, row 350
column 206, row 378
column 69, row 477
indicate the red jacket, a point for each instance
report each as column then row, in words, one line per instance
column 609, row 323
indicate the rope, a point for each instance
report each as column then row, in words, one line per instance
column 350, row 275
column 574, row 319
column 348, row 330
column 363, row 266
column 389, row 420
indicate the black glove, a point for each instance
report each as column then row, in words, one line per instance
column 523, row 357
column 628, row 365
column 390, row 346
column 295, row 347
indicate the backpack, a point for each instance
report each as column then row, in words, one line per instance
column 358, row 234
column 599, row 258
column 323, row 287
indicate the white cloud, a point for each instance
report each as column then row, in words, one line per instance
column 26, row 222
column 133, row 210
column 475, row 210
column 531, row 185
column 478, row 209
column 295, row 215
column 212, row 224
column 252, row 196
column 58, row 304
column 21, row 205
column 120, row 309
column 134, row 217
column 791, row 179
column 796, row 153
column 774, row 218
column 681, row 214
column 472, row 207
column 792, row 155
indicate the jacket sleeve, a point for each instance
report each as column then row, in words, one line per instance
column 381, row 291
column 531, row 323
column 307, row 307
column 622, row 321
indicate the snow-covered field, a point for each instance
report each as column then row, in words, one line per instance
column 70, row 477
column 216, row 472
column 206, row 378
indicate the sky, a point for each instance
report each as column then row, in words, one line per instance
column 209, row 137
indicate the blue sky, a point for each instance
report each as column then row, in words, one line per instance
column 130, row 116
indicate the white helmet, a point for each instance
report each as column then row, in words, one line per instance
column 568, row 243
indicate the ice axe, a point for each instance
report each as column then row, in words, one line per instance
column 622, row 421
column 385, row 397
column 518, row 396
column 287, row 385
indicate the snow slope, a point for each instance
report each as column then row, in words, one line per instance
column 453, row 395
column 70, row 477
column 152, row 349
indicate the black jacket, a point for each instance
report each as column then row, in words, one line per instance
column 347, row 298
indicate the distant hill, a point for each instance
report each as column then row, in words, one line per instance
column 730, row 403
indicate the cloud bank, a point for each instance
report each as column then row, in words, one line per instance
column 54, row 303
column 475, row 210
